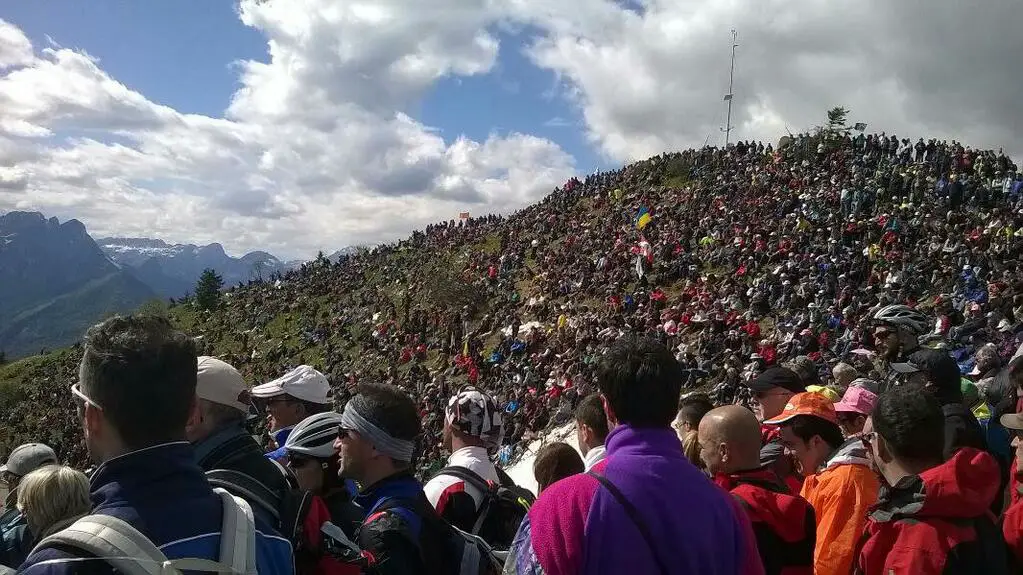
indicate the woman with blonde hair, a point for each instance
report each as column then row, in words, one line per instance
column 52, row 498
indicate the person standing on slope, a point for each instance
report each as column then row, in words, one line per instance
column 645, row 508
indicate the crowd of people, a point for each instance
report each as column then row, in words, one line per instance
column 764, row 272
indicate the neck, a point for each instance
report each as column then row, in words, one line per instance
column 463, row 442
column 896, row 471
column 374, row 476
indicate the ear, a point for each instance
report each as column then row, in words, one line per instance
column 92, row 422
column 612, row 419
column 195, row 418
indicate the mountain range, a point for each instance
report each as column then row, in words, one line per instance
column 171, row 270
column 56, row 280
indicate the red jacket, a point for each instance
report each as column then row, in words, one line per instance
column 1012, row 521
column 937, row 522
column 783, row 523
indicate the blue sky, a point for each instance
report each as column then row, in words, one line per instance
column 180, row 54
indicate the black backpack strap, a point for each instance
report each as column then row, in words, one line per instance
column 246, row 487
column 469, row 476
column 485, row 487
column 634, row 515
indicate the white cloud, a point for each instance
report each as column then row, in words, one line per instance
column 15, row 47
column 652, row 78
column 318, row 147
column 314, row 152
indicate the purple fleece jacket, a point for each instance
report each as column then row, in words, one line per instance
column 576, row 526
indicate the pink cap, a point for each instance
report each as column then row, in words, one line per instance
column 857, row 400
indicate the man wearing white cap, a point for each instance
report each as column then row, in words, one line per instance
column 289, row 399
column 221, row 442
column 15, row 538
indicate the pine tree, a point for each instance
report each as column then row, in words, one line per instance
column 207, row 289
column 3, row 357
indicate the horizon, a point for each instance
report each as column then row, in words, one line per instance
column 364, row 124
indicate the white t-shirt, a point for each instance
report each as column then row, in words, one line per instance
column 441, row 487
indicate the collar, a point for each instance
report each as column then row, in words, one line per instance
column 138, row 470
column 468, row 453
column 205, row 446
column 642, row 441
column 594, row 456
column 281, row 435
column 400, row 485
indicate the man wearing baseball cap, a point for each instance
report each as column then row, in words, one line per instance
column 220, row 440
column 289, row 399
column 854, row 409
column 15, row 539
column 940, row 375
column 773, row 389
column 839, row 483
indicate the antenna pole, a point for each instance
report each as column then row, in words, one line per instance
column 731, row 77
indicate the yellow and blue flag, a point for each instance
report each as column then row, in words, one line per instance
column 643, row 217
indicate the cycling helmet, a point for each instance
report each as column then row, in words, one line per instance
column 904, row 317
column 314, row 436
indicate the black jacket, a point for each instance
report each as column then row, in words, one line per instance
column 233, row 449
column 402, row 530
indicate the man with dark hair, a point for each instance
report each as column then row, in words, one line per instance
column 402, row 532
column 135, row 396
column 933, row 516
column 938, row 372
column 591, row 429
column 289, row 399
column 839, row 483
column 691, row 410
column 645, row 508
column 217, row 432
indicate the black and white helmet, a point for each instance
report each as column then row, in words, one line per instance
column 905, row 317
column 314, row 436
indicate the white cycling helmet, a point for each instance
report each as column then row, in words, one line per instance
column 314, row 436
column 911, row 320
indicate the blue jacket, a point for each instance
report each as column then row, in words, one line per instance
column 280, row 454
column 163, row 493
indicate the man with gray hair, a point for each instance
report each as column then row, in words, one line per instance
column 217, row 432
column 15, row 538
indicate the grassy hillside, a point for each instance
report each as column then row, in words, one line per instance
column 60, row 321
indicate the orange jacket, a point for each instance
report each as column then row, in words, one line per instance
column 840, row 494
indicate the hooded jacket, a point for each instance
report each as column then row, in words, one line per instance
column 577, row 526
column 937, row 522
column 163, row 493
column 783, row 523
column 840, row 493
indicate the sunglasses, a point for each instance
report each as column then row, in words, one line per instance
column 9, row 478
column 343, row 432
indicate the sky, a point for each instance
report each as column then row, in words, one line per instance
column 294, row 126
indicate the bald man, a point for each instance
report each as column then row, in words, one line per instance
column 783, row 522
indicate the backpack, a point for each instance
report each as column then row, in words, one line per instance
column 298, row 515
column 462, row 553
column 132, row 553
column 502, row 510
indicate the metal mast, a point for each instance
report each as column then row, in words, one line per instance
column 728, row 96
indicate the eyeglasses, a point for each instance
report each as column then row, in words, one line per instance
column 83, row 399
